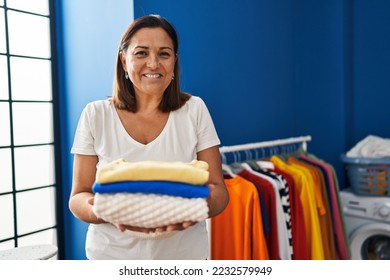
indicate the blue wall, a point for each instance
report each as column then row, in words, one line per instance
column 320, row 73
column 266, row 69
column 89, row 33
column 283, row 68
column 371, row 58
column 238, row 56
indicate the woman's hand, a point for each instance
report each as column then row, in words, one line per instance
column 90, row 202
column 168, row 228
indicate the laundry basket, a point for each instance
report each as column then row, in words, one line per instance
column 368, row 176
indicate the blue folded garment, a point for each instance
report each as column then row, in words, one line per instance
column 154, row 187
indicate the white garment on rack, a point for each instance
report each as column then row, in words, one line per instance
column 371, row 147
column 266, row 164
column 285, row 202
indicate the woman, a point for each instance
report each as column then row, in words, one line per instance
column 147, row 118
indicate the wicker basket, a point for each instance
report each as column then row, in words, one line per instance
column 368, row 176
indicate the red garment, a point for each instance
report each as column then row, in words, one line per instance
column 300, row 249
column 267, row 191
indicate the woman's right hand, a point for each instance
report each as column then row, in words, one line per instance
column 168, row 228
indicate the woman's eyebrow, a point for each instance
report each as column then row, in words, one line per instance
column 141, row 47
column 145, row 47
column 163, row 48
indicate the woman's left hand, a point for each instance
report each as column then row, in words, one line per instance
column 168, row 228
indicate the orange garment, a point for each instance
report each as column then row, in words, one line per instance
column 237, row 233
column 325, row 216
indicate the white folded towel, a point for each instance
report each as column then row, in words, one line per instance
column 149, row 210
column 371, row 147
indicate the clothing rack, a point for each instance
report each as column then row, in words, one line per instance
column 265, row 144
column 325, row 235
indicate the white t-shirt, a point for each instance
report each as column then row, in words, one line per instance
column 188, row 130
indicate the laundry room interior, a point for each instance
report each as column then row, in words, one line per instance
column 298, row 92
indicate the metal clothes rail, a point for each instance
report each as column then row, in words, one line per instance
column 266, row 144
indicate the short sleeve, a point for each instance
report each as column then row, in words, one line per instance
column 207, row 134
column 83, row 142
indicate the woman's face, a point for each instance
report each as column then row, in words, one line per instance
column 150, row 60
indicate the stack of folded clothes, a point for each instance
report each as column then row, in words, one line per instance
column 151, row 194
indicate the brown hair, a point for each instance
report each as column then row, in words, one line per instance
column 123, row 91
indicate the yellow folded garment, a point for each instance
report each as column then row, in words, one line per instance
column 195, row 172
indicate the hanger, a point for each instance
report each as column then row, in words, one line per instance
column 252, row 162
column 236, row 166
column 295, row 151
column 247, row 166
column 226, row 169
column 263, row 163
column 249, row 163
column 285, row 153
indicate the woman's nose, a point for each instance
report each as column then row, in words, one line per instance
column 152, row 61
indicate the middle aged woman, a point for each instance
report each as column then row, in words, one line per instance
column 147, row 118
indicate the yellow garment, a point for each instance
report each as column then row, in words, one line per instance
column 324, row 212
column 309, row 205
column 313, row 183
column 195, row 172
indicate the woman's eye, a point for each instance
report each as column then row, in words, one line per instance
column 165, row 54
column 141, row 53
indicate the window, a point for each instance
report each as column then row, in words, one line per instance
column 28, row 176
